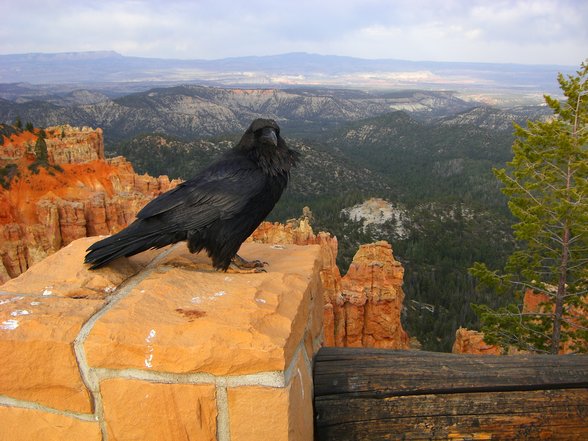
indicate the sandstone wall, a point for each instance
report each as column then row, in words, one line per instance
column 42, row 212
column 161, row 347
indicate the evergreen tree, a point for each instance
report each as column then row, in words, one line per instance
column 41, row 150
column 547, row 186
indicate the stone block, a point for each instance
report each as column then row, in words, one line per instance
column 65, row 274
column 18, row 424
column 142, row 411
column 36, row 348
column 277, row 414
column 186, row 318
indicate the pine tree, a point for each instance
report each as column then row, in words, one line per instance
column 41, row 150
column 547, row 186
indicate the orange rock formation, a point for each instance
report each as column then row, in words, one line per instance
column 468, row 341
column 85, row 195
column 363, row 307
column 371, row 300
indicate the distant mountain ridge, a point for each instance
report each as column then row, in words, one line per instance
column 283, row 70
column 190, row 111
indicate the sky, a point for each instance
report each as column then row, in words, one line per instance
column 502, row 31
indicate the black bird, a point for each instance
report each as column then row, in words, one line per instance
column 216, row 210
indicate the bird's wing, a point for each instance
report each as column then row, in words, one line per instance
column 220, row 191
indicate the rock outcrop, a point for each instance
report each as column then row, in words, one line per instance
column 362, row 308
column 371, row 300
column 468, row 341
column 78, row 193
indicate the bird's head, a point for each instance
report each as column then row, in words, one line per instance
column 265, row 132
column 263, row 142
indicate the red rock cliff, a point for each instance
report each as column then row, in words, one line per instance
column 79, row 193
column 363, row 307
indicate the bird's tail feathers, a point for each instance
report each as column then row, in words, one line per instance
column 127, row 242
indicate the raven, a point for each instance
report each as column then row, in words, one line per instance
column 216, row 210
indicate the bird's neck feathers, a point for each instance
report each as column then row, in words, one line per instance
column 272, row 160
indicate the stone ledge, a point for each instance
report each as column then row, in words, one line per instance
column 163, row 324
column 183, row 319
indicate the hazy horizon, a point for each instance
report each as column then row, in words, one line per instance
column 540, row 32
column 110, row 51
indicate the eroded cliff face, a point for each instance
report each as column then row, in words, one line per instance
column 79, row 193
column 371, row 300
column 361, row 309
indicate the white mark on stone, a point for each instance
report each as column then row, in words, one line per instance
column 149, row 360
column 301, row 385
column 151, row 336
column 278, row 247
column 149, row 352
column 261, row 301
column 9, row 325
column 228, row 279
column 47, row 291
column 109, row 289
column 36, row 303
column 219, row 294
column 19, row 312
column 142, row 291
column 14, row 299
column 196, row 300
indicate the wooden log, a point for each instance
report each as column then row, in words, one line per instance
column 375, row 394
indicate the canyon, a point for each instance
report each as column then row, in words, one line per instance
column 77, row 192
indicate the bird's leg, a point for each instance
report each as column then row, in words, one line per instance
column 247, row 266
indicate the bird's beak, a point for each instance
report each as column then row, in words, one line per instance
column 268, row 136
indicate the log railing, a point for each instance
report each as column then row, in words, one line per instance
column 374, row 394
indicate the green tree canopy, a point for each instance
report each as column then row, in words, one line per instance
column 41, row 149
column 547, row 186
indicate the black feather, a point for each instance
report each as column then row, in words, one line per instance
column 216, row 210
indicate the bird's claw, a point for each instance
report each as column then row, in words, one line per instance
column 238, row 264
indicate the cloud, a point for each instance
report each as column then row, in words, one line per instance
column 538, row 31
